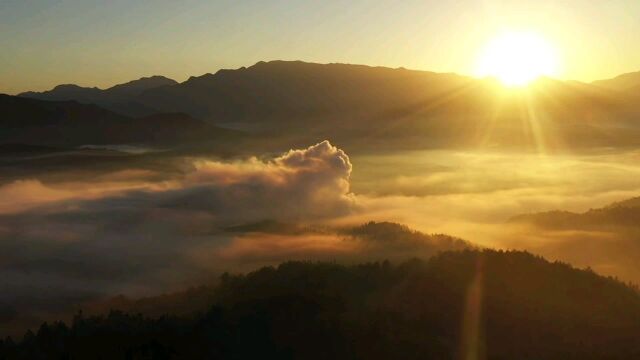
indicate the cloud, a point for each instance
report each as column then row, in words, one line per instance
column 22, row 194
column 135, row 232
column 302, row 184
column 140, row 232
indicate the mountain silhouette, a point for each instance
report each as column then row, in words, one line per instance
column 271, row 90
column 607, row 239
column 70, row 123
column 136, row 87
column 624, row 82
column 327, row 87
column 119, row 98
column 456, row 303
column 293, row 103
column 624, row 214
column 374, row 241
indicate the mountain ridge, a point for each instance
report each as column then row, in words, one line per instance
column 624, row 213
column 278, row 61
column 71, row 123
column 142, row 83
column 363, row 106
column 118, row 98
column 622, row 82
column 414, row 309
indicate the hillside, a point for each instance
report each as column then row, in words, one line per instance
column 297, row 89
column 606, row 239
column 623, row 83
column 70, row 123
column 118, row 98
column 90, row 289
column 454, row 305
column 620, row 214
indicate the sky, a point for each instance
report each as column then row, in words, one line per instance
column 101, row 43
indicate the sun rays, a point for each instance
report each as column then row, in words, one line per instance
column 518, row 58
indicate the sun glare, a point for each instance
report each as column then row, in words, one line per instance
column 517, row 58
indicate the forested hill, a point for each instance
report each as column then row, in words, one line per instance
column 498, row 305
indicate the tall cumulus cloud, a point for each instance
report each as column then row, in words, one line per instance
column 76, row 244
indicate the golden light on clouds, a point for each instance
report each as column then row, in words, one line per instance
column 518, row 58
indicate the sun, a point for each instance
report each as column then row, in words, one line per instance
column 517, row 58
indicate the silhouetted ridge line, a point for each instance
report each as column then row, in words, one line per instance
column 624, row 213
column 416, row 309
column 70, row 123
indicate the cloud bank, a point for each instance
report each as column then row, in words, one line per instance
column 142, row 231
column 127, row 234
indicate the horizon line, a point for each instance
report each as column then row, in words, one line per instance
column 189, row 77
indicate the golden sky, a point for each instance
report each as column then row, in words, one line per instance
column 101, row 43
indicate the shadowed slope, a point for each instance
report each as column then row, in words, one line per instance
column 69, row 123
column 362, row 107
column 620, row 214
column 624, row 82
column 377, row 311
column 119, row 98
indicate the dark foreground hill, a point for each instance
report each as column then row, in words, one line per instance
column 93, row 274
column 467, row 304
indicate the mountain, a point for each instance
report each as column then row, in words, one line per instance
column 119, row 98
column 607, row 239
column 383, row 240
column 629, row 203
column 376, row 107
column 66, row 92
column 625, row 214
column 361, row 107
column 466, row 304
column 371, row 241
column 136, row 87
column 269, row 90
column 624, row 82
column 70, row 123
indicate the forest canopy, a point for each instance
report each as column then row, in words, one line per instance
column 455, row 304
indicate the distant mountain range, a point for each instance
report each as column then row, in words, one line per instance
column 624, row 82
column 70, row 123
column 212, row 95
column 607, row 239
column 625, row 214
column 360, row 106
column 119, row 98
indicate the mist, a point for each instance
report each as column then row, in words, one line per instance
column 141, row 232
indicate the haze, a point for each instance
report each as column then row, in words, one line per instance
column 46, row 43
column 296, row 180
